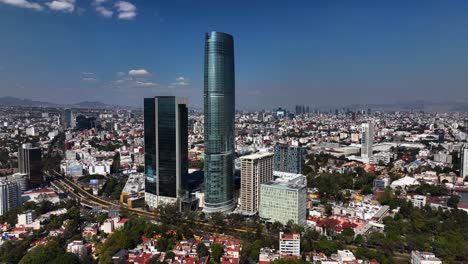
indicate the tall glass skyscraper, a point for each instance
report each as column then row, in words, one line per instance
column 166, row 149
column 30, row 163
column 219, row 106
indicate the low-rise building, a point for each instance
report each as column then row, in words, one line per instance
column 290, row 244
column 78, row 248
column 418, row 257
column 419, row 201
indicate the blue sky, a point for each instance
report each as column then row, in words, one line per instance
column 287, row 52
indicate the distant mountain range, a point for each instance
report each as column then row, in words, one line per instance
column 14, row 101
column 419, row 105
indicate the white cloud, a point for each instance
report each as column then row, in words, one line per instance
column 181, row 81
column 62, row 5
column 105, row 12
column 120, row 74
column 89, row 79
column 23, row 4
column 138, row 72
column 102, row 10
column 146, row 84
column 87, row 73
column 126, row 10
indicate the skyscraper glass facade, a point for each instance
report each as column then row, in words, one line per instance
column 289, row 158
column 219, row 108
column 166, row 150
column 30, row 163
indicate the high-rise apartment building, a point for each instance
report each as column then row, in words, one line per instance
column 10, row 195
column 289, row 158
column 30, row 163
column 255, row 170
column 283, row 201
column 464, row 162
column 219, row 110
column 22, row 179
column 166, row 149
column 367, row 139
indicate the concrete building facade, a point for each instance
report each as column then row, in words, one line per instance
column 256, row 169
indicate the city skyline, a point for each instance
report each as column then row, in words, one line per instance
column 322, row 53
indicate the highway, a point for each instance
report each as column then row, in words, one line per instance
column 75, row 191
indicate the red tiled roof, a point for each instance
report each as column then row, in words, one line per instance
column 123, row 221
column 39, row 191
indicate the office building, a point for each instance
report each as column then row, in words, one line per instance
column 443, row 157
column 30, row 163
column 418, row 257
column 10, row 195
column 290, row 244
column 219, row 110
column 288, row 158
column 367, row 139
column 280, row 113
column 166, row 149
column 68, row 119
column 464, row 162
column 283, row 201
column 255, row 170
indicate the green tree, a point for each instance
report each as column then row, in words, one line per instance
column 43, row 253
column 169, row 255
column 366, row 190
column 66, row 258
column 217, row 251
column 202, row 250
column 255, row 251
column 326, row 246
column 453, row 201
column 115, row 167
column 347, row 235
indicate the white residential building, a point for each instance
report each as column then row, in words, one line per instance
column 345, row 256
column 367, row 139
column 418, row 257
column 10, row 195
column 78, row 248
column 290, row 244
column 464, row 162
column 419, row 201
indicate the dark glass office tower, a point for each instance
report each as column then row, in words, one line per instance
column 30, row 163
column 67, row 119
column 219, row 106
column 166, row 149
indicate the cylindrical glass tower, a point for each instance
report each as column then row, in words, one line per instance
column 219, row 106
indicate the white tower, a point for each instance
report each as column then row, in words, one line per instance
column 367, row 139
